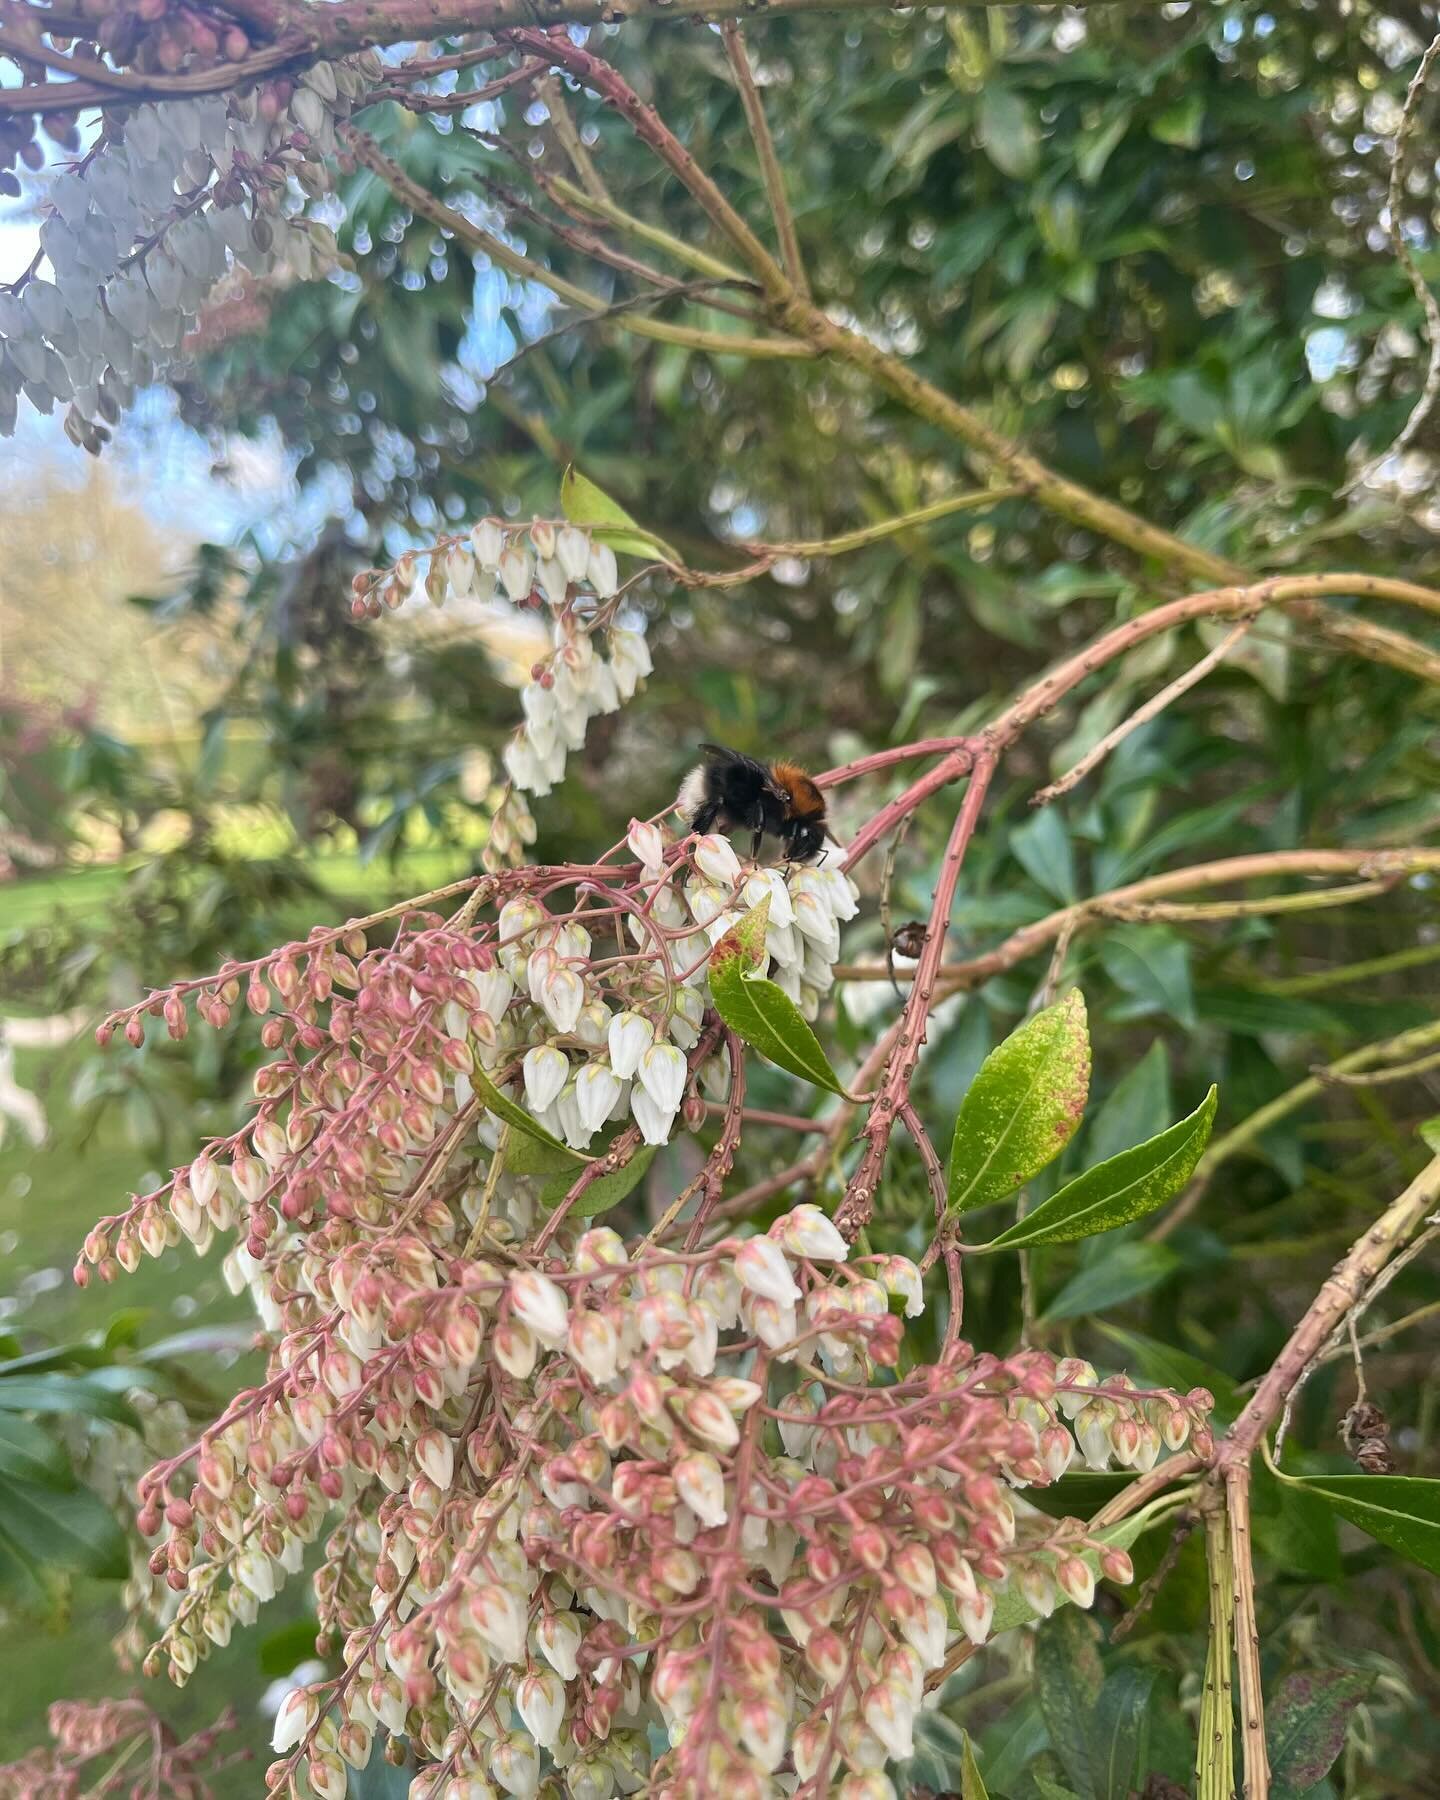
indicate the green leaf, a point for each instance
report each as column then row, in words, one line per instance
column 32, row 1454
column 287, row 1648
column 528, row 1156
column 1068, row 1680
column 1008, row 131
column 585, row 504
column 1126, row 1271
column 1305, row 1726
column 56, row 1393
column 1135, row 1108
column 1127, row 1187
column 1164, row 1366
column 1151, row 964
column 507, row 1109
column 1120, row 1736
column 1402, row 1511
column 1023, row 1106
column 762, row 1014
column 972, row 1787
column 1042, row 848
column 605, row 1191
column 1429, row 1130
column 73, row 1530
column 1180, row 123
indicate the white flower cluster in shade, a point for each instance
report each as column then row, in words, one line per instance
column 140, row 234
column 552, row 565
column 592, row 1050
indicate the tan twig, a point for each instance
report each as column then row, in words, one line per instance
column 1142, row 716
column 1247, row 1633
column 1394, row 202
column 770, row 170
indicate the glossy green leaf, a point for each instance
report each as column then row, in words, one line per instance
column 585, row 504
column 514, row 1114
column 1402, row 1511
column 1127, row 1187
column 1305, row 1726
column 605, row 1191
column 761, row 1013
column 1023, row 1107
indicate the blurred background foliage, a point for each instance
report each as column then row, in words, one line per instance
column 1145, row 241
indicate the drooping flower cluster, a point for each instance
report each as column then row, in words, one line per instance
column 118, row 1747
column 547, row 564
column 139, row 237
column 568, row 1487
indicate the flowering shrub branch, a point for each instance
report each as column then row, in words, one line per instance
column 557, row 1482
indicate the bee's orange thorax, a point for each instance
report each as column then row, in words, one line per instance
column 806, row 800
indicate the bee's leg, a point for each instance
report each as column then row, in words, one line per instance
column 705, row 817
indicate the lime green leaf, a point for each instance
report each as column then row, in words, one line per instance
column 529, row 1156
column 1306, row 1723
column 1007, row 131
column 585, row 504
column 1127, row 1187
column 505, row 1108
column 761, row 1013
column 972, row 1787
column 1023, row 1107
column 605, row 1191
column 1402, row 1511
column 1011, row 1608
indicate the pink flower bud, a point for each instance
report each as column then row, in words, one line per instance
column 1075, row 1577
column 1115, row 1565
column 594, row 1346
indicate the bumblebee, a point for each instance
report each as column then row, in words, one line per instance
column 730, row 791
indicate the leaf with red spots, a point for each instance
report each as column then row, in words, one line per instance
column 1022, row 1107
column 1305, row 1727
